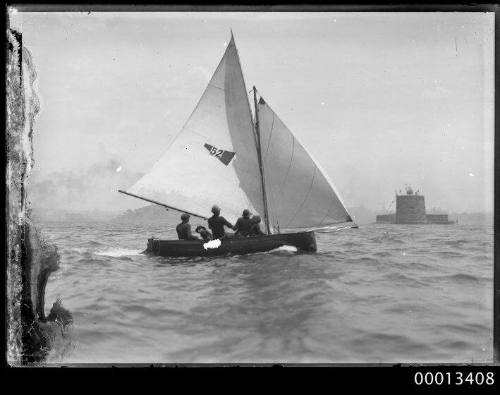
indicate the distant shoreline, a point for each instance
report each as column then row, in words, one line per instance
column 158, row 215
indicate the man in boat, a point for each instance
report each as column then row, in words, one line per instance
column 184, row 229
column 216, row 223
column 255, row 227
column 204, row 233
column 243, row 225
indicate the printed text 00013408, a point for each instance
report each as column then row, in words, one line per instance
column 454, row 378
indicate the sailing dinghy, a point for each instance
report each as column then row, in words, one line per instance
column 224, row 156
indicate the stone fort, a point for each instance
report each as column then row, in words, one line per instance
column 410, row 209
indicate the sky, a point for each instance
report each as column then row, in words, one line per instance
column 381, row 100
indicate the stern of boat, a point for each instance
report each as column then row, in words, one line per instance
column 307, row 242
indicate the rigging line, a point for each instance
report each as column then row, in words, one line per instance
column 307, row 197
column 291, row 157
column 162, row 204
column 333, row 200
column 293, row 142
column 268, row 174
column 254, row 133
column 326, row 215
column 270, row 135
column 336, row 223
column 289, row 165
column 315, row 227
column 329, row 209
column 254, row 119
column 215, row 86
column 293, row 148
column 272, row 205
column 273, row 200
column 261, row 163
column 320, row 169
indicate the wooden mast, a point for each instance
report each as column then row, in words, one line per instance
column 261, row 165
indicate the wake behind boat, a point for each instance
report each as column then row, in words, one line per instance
column 226, row 156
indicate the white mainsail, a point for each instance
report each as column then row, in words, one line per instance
column 213, row 160
column 299, row 193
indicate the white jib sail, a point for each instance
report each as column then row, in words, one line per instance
column 213, row 160
column 299, row 193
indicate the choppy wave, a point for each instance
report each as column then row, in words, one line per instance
column 119, row 252
column 463, row 277
column 373, row 294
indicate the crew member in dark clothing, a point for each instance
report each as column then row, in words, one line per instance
column 184, row 229
column 216, row 223
column 255, row 228
column 204, row 233
column 243, row 225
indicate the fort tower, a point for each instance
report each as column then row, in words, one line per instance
column 410, row 209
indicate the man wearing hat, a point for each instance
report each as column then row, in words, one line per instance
column 243, row 224
column 184, row 229
column 255, row 227
column 216, row 223
column 204, row 233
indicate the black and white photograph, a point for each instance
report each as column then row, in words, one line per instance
column 255, row 187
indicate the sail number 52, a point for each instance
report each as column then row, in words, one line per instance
column 216, row 152
column 458, row 378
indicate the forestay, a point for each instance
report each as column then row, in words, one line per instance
column 213, row 160
column 299, row 193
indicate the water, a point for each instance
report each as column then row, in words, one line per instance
column 380, row 293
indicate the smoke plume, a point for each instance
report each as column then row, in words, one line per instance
column 94, row 189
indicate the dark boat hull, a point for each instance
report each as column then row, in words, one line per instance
column 303, row 241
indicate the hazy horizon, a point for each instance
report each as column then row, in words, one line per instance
column 97, row 212
column 380, row 99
